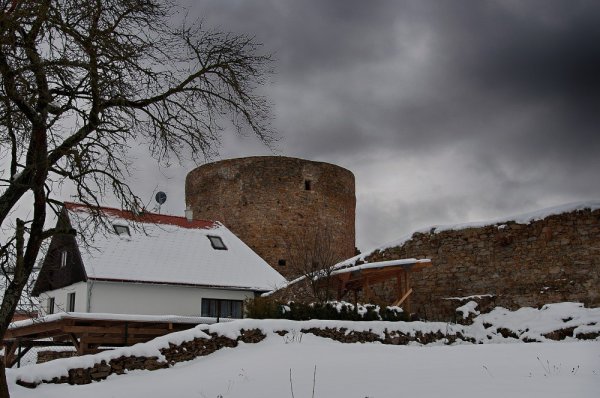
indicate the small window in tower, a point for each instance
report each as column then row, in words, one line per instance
column 63, row 259
column 307, row 185
column 217, row 243
column 281, row 263
column 121, row 229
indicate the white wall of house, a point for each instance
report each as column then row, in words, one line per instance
column 154, row 299
column 60, row 298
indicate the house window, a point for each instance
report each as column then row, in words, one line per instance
column 307, row 185
column 217, row 243
column 121, row 229
column 50, row 306
column 71, row 302
column 218, row 308
column 63, row 259
column 281, row 263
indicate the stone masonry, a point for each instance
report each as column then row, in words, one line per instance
column 550, row 260
column 393, row 334
column 272, row 203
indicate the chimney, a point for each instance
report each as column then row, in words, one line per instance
column 189, row 213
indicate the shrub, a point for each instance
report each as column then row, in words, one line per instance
column 263, row 308
column 269, row 308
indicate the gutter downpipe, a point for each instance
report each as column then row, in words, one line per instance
column 90, row 285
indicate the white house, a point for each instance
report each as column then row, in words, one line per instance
column 149, row 264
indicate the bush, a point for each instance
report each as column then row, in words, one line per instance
column 263, row 308
column 269, row 308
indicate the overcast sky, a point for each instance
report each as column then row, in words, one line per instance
column 445, row 111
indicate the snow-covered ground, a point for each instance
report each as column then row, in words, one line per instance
column 567, row 369
column 502, row 367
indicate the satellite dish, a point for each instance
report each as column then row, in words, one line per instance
column 160, row 197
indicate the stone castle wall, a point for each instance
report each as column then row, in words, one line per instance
column 550, row 260
column 274, row 204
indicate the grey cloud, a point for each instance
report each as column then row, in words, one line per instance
column 502, row 99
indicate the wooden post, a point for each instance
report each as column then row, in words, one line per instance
column 366, row 290
column 407, row 283
column 74, row 340
column 83, row 344
column 126, row 332
column 399, row 289
column 19, row 354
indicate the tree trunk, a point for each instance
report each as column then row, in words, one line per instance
column 3, row 384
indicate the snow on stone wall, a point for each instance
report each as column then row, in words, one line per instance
column 521, row 263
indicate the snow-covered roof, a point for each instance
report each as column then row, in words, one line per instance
column 169, row 250
column 116, row 317
column 342, row 268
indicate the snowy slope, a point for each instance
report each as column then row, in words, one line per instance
column 547, row 369
column 360, row 370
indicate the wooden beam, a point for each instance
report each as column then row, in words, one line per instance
column 13, row 333
column 117, row 341
column 114, row 330
column 34, row 329
column 401, row 300
column 75, row 341
column 45, row 343
column 17, row 358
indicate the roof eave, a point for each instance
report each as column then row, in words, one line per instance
column 207, row 286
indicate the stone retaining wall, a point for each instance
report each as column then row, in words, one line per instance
column 189, row 350
column 555, row 322
column 49, row 355
column 546, row 261
column 185, row 351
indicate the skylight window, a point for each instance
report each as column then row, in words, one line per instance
column 217, row 243
column 121, row 230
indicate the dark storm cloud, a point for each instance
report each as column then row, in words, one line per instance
column 552, row 53
column 496, row 102
column 544, row 54
column 309, row 36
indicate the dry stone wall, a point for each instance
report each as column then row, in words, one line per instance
column 275, row 204
column 50, row 355
column 175, row 353
column 550, row 260
column 400, row 333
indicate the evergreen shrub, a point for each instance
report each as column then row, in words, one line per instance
column 269, row 308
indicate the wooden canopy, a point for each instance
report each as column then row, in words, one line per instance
column 361, row 277
column 88, row 334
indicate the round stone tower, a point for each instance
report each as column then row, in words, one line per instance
column 279, row 206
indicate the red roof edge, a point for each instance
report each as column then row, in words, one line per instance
column 144, row 216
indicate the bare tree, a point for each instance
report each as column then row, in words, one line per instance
column 313, row 256
column 81, row 81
